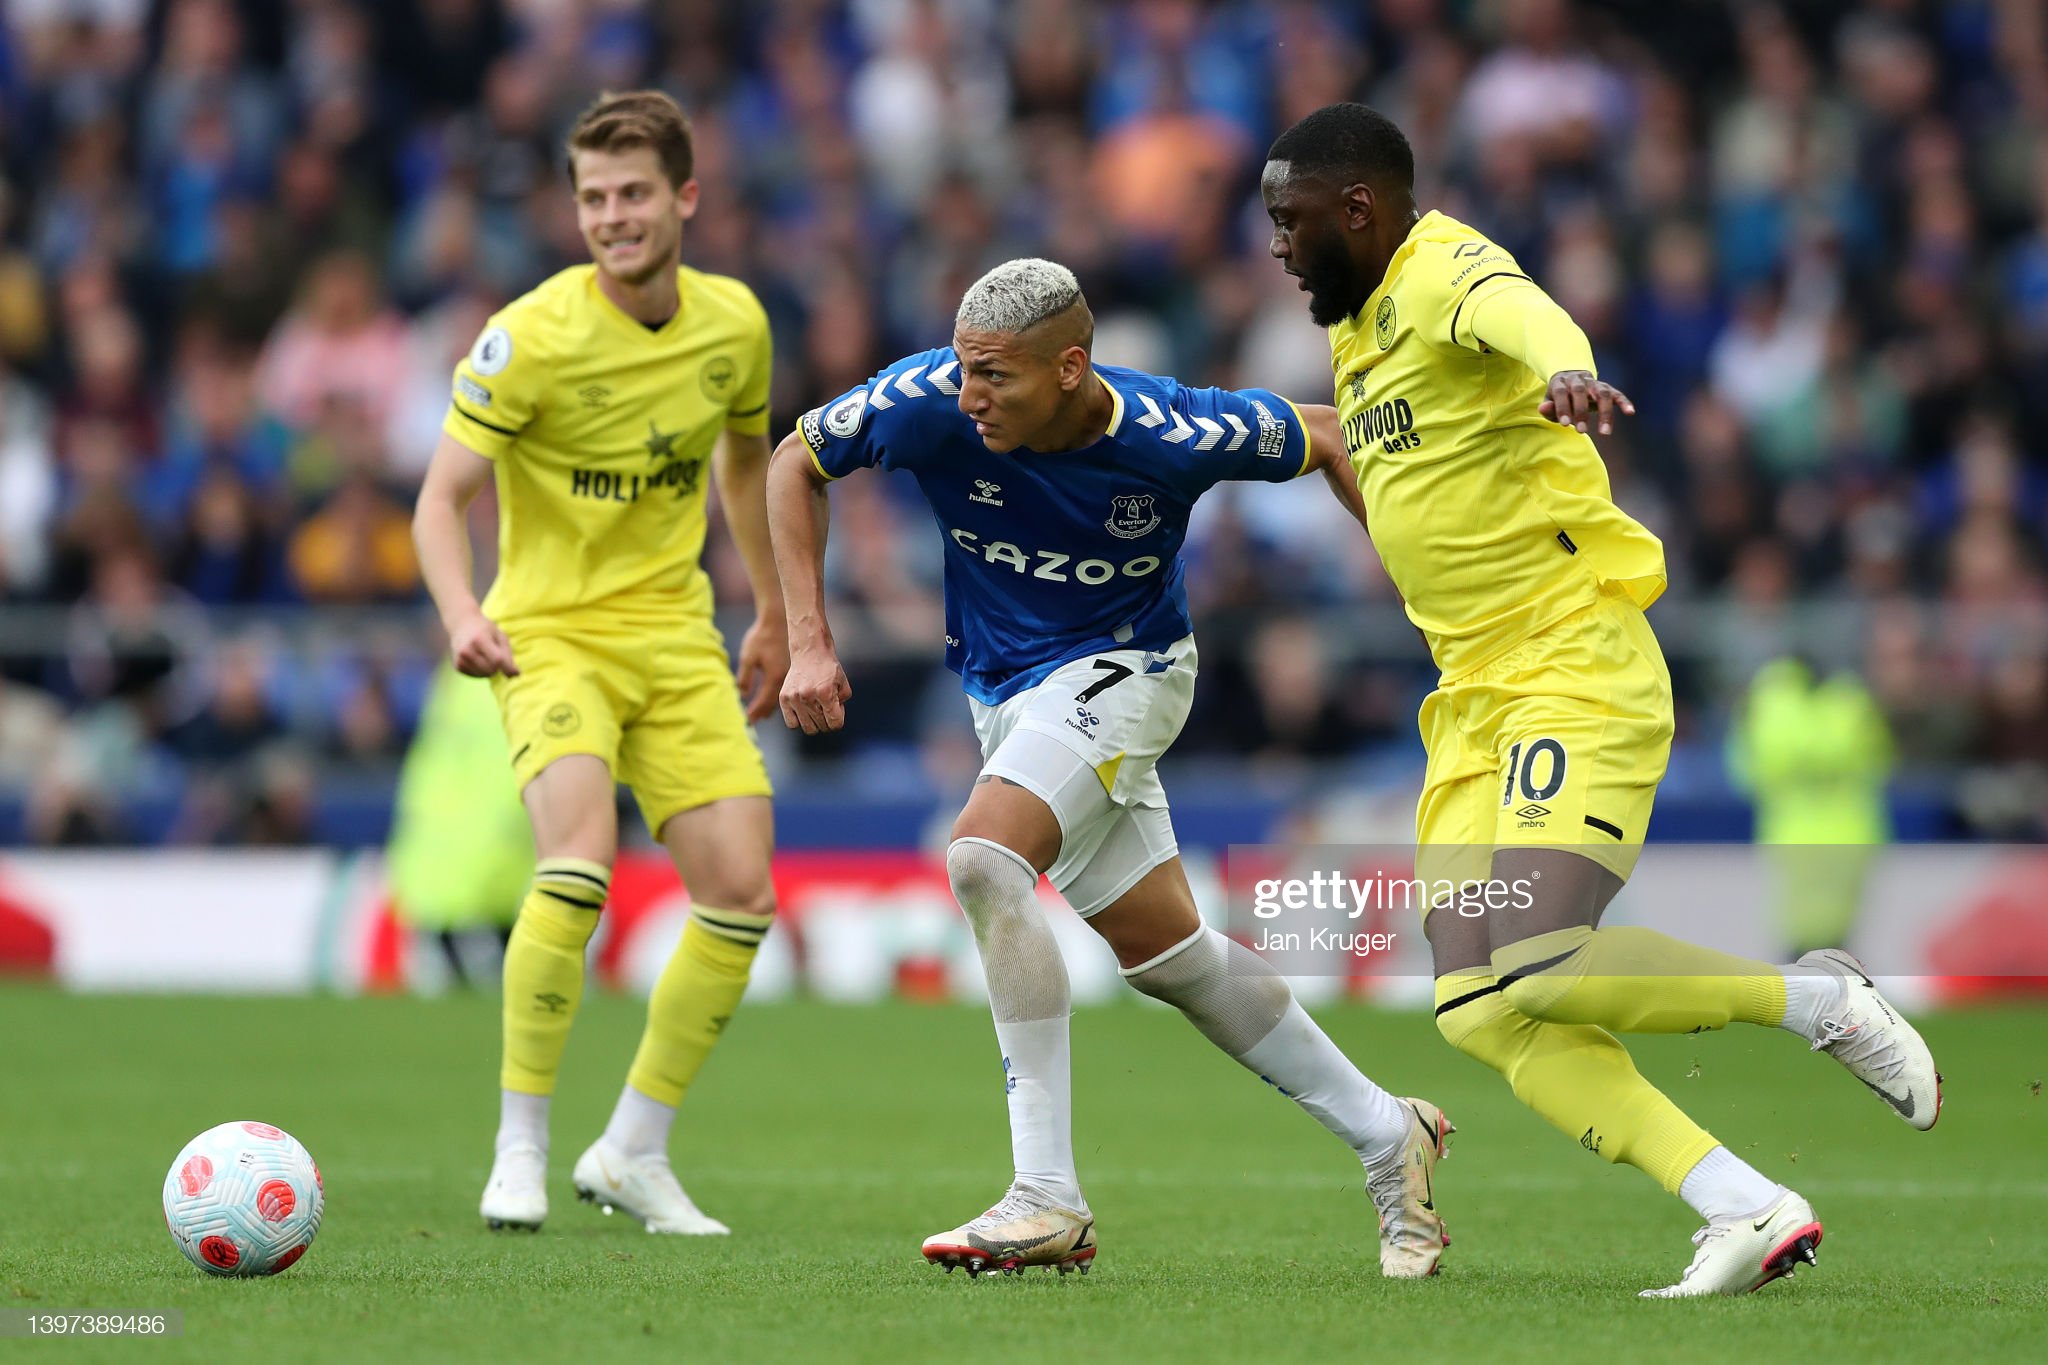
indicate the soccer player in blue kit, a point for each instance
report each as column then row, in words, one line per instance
column 1062, row 489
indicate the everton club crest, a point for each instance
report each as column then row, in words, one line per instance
column 1131, row 515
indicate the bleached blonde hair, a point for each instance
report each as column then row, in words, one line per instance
column 1017, row 295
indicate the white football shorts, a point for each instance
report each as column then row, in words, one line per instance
column 1087, row 742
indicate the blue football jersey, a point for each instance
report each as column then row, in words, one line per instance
column 1050, row 557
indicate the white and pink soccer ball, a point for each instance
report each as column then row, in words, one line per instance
column 243, row 1199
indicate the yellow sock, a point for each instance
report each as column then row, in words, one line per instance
column 1637, row 981
column 1579, row 1078
column 544, row 969
column 697, row 993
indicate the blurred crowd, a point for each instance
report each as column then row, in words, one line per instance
column 242, row 243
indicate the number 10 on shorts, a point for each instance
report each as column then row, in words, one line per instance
column 1538, row 766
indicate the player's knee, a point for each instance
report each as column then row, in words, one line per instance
column 756, row 898
column 1538, row 975
column 986, row 876
column 737, row 885
column 1540, row 995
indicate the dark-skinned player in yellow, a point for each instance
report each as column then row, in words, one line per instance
column 1468, row 400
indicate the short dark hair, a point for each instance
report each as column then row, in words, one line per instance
column 1354, row 142
column 620, row 120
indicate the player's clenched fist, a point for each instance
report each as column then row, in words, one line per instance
column 814, row 695
column 480, row 649
column 1576, row 398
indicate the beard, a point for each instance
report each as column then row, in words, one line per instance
column 1324, row 310
column 1333, row 295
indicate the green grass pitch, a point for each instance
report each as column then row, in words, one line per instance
column 833, row 1139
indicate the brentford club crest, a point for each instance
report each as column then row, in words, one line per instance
column 1130, row 515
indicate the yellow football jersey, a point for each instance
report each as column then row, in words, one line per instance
column 602, row 430
column 1491, row 520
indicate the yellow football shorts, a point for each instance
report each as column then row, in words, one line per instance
column 1560, row 742
column 657, row 703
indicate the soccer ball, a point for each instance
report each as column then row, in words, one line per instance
column 243, row 1199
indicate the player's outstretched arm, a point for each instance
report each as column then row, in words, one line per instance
column 1522, row 321
column 440, row 533
column 740, row 465
column 1326, row 452
column 815, row 692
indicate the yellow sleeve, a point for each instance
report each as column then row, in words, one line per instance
column 497, row 387
column 1516, row 318
column 1472, row 295
column 747, row 414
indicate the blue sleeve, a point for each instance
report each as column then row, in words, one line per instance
column 872, row 426
column 1245, row 434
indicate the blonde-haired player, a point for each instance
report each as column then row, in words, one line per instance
column 1467, row 397
column 599, row 403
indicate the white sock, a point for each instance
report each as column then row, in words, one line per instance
column 1247, row 1009
column 1038, row 1081
column 1298, row 1059
column 1810, row 992
column 522, row 1120
column 1029, row 998
column 639, row 1125
column 1724, row 1186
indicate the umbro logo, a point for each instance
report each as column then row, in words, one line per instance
column 1532, row 811
column 594, row 395
column 550, row 1003
column 984, row 491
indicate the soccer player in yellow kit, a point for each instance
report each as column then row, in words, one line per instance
column 1467, row 398
column 598, row 403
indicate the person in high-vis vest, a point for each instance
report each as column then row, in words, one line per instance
column 461, row 851
column 1814, row 755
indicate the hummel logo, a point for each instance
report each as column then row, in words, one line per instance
column 984, row 491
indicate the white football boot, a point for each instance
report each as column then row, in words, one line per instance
column 516, row 1195
column 1412, row 1235
column 1023, row 1229
column 1865, row 1034
column 642, row 1186
column 1738, row 1255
